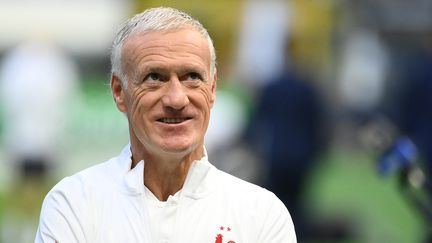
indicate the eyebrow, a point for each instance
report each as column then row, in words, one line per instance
column 182, row 69
column 193, row 69
column 153, row 69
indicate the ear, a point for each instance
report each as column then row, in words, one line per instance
column 213, row 89
column 118, row 93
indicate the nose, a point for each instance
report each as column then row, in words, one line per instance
column 175, row 96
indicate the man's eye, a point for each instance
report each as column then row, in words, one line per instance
column 153, row 77
column 194, row 76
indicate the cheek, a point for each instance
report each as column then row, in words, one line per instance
column 208, row 96
column 205, row 103
column 139, row 104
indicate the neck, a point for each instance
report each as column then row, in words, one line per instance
column 165, row 173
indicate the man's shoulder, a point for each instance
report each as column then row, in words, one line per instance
column 236, row 187
column 236, row 182
column 85, row 179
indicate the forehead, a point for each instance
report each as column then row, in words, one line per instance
column 166, row 45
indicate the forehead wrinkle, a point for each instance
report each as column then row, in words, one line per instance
column 163, row 60
column 169, row 45
column 170, row 51
column 164, row 51
column 139, row 51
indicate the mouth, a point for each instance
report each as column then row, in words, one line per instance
column 173, row 120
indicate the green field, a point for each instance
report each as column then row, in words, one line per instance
column 346, row 184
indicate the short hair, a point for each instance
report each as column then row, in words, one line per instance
column 162, row 18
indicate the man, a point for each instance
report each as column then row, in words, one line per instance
column 161, row 188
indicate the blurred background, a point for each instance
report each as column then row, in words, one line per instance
column 325, row 102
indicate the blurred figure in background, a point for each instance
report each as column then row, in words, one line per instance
column 36, row 82
column 403, row 133
column 287, row 132
column 408, row 102
column 362, row 74
column 261, row 42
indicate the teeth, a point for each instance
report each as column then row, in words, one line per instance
column 172, row 120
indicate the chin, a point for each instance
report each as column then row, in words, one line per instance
column 179, row 148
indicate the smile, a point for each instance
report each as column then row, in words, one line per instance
column 173, row 120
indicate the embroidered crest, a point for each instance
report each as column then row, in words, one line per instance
column 219, row 236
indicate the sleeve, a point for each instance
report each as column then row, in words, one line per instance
column 64, row 216
column 277, row 226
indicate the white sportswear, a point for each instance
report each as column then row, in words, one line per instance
column 108, row 203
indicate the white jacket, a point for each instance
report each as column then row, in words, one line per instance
column 108, row 203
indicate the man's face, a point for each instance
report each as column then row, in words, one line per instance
column 170, row 90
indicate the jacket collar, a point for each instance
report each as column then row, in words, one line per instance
column 197, row 184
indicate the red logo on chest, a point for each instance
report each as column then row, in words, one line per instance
column 219, row 236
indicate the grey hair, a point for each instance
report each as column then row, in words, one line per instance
column 161, row 18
